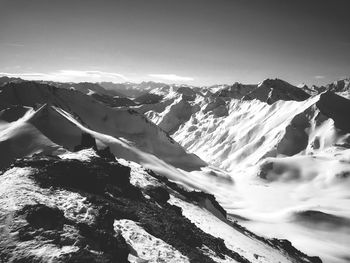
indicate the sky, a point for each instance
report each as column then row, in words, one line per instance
column 199, row 42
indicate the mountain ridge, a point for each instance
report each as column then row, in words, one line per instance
column 246, row 153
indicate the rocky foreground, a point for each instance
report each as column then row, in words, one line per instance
column 85, row 208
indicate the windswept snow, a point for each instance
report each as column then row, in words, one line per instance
column 76, row 107
column 145, row 247
column 234, row 239
column 284, row 158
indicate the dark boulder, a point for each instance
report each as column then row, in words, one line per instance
column 42, row 216
column 160, row 194
column 87, row 141
column 106, row 154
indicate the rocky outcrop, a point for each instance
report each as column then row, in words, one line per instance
column 272, row 90
column 217, row 106
column 342, row 85
column 337, row 108
column 109, row 196
column 180, row 112
column 87, row 141
column 188, row 94
column 4, row 80
column 158, row 193
column 148, row 98
column 236, row 91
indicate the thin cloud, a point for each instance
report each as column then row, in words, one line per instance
column 170, row 77
column 25, row 75
column 13, row 44
column 319, row 77
column 91, row 73
column 66, row 75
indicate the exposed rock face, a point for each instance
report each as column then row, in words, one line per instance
column 107, row 187
column 106, row 153
column 342, row 85
column 195, row 196
column 22, row 93
column 337, row 108
column 236, row 91
column 295, row 138
column 270, row 91
column 91, row 177
column 148, row 98
column 158, row 193
column 178, row 113
column 41, row 216
column 37, row 228
column 217, row 106
column 87, row 141
column 4, row 80
column 188, row 94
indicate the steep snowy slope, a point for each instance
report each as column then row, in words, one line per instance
column 286, row 153
column 71, row 106
column 20, row 138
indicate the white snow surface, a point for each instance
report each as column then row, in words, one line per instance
column 17, row 190
column 234, row 239
column 284, row 160
column 147, row 248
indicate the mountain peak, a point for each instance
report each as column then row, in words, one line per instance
column 340, row 85
column 272, row 90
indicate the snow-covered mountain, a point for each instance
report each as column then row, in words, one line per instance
column 62, row 115
column 130, row 89
column 287, row 153
column 276, row 159
column 341, row 87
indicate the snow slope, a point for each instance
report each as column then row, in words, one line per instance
column 72, row 112
column 287, row 155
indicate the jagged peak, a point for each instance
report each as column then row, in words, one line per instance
column 275, row 83
column 340, row 85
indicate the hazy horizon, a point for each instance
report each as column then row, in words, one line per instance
column 14, row 75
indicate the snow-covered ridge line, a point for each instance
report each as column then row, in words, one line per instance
column 286, row 157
